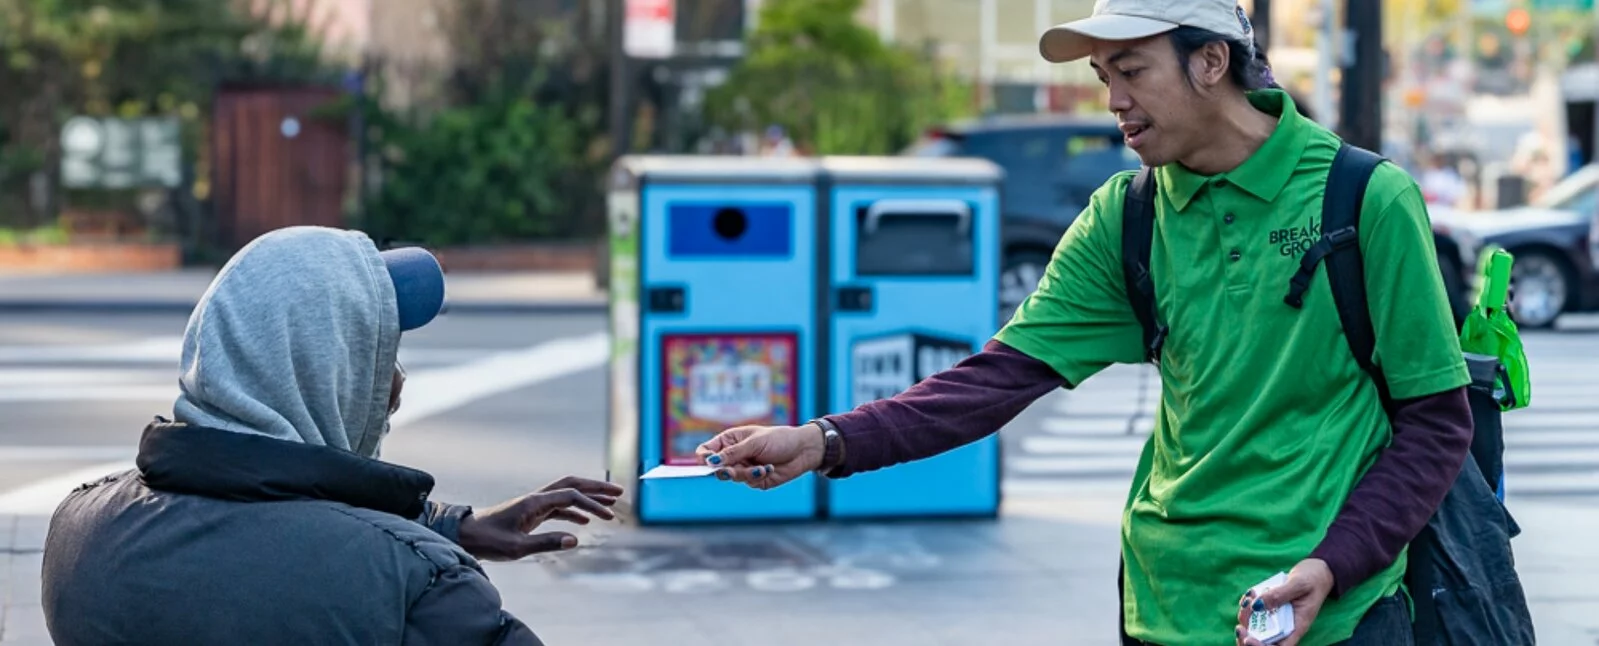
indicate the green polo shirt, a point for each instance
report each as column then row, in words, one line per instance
column 1266, row 422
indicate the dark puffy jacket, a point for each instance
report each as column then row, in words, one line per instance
column 222, row 537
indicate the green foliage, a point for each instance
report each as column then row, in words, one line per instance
column 132, row 58
column 507, row 147
column 105, row 54
column 503, row 169
column 833, row 85
column 46, row 235
column 17, row 161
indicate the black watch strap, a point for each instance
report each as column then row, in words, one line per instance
column 832, row 445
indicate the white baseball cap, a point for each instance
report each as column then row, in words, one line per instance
column 1135, row 19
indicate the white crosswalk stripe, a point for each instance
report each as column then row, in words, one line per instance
column 1552, row 446
column 1090, row 438
column 144, row 370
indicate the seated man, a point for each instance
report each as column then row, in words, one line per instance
column 261, row 513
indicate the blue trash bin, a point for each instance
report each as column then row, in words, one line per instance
column 913, row 262
column 707, row 257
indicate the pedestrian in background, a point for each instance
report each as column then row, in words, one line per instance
column 1272, row 450
column 261, row 514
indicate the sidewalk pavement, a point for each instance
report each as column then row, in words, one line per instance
column 1042, row 574
column 178, row 291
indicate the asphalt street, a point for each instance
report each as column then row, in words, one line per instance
column 77, row 388
column 499, row 404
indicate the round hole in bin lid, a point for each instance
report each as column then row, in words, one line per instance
column 730, row 223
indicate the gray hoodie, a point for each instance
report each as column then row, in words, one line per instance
column 317, row 367
column 261, row 516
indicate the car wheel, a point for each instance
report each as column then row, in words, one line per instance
column 1018, row 279
column 1541, row 286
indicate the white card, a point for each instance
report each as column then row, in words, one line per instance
column 679, row 471
column 1272, row 626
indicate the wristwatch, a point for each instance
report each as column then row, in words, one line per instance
column 832, row 446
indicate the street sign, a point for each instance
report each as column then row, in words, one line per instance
column 650, row 30
column 121, row 153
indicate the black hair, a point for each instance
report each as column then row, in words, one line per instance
column 1246, row 64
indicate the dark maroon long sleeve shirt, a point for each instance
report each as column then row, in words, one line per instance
column 1388, row 507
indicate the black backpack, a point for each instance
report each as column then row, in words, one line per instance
column 1463, row 555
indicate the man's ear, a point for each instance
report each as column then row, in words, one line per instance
column 1208, row 65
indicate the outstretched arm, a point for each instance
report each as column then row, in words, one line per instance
column 945, row 411
column 1075, row 324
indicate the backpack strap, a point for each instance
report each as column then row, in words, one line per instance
column 1138, row 235
column 1339, row 245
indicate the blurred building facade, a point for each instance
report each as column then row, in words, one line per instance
column 400, row 36
column 1443, row 55
column 995, row 43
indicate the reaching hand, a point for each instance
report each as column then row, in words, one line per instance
column 1307, row 588
column 502, row 533
column 764, row 456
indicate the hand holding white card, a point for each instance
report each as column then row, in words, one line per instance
column 679, row 471
column 1271, row 626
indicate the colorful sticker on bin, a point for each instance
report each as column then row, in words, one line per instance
column 718, row 381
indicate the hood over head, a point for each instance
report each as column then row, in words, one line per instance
column 298, row 334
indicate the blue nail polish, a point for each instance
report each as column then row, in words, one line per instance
column 1260, row 604
column 756, row 472
column 721, row 475
column 715, row 460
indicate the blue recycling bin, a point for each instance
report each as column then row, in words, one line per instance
column 770, row 291
column 912, row 258
column 714, row 283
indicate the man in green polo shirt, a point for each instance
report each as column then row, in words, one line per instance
column 1272, row 451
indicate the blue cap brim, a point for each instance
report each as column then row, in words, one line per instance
column 418, row 285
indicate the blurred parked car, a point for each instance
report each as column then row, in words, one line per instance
column 1054, row 163
column 1554, row 243
column 1457, row 260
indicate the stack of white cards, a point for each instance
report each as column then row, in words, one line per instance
column 1271, row 626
